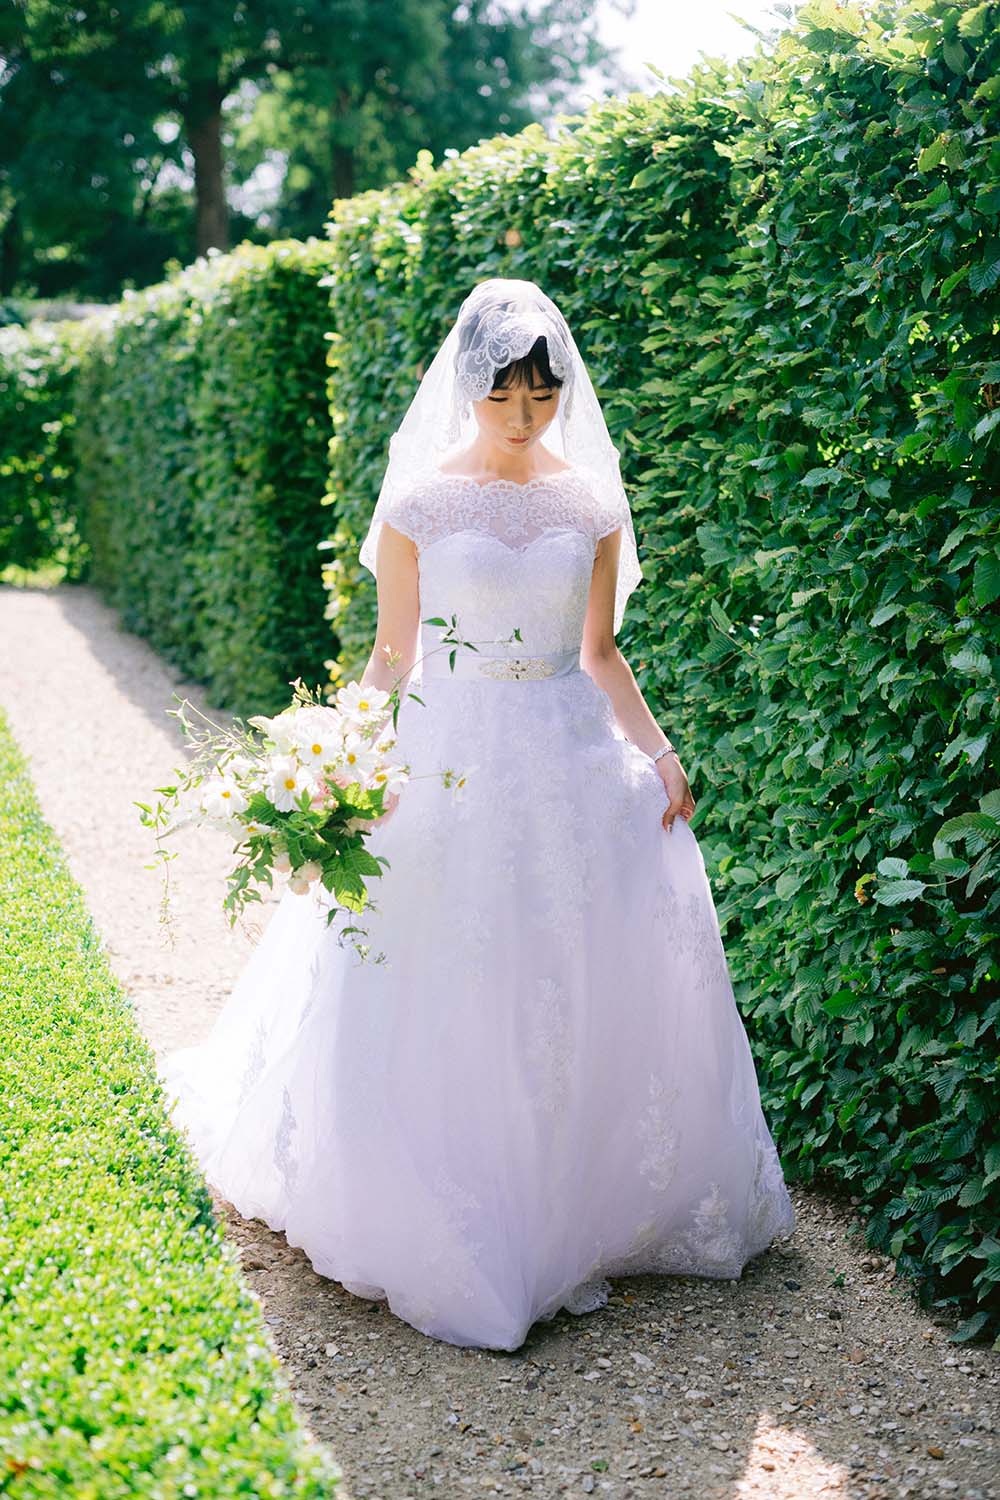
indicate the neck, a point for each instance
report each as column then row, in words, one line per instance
column 490, row 461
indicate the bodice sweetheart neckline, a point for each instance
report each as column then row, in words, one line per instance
column 507, row 546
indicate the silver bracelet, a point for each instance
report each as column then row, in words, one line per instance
column 668, row 749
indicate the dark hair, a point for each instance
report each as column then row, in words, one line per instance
column 535, row 361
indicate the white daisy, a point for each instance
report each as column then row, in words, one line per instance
column 362, row 702
column 254, row 829
column 222, row 798
column 357, row 757
column 286, row 782
column 393, row 778
column 278, row 730
column 318, row 735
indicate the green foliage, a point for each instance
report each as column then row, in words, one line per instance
column 134, row 1361
column 38, row 523
column 96, row 194
column 201, row 440
column 783, row 278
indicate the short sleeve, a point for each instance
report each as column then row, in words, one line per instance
column 411, row 513
column 608, row 517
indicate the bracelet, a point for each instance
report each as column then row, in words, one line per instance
column 668, row 749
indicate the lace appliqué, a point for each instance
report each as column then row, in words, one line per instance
column 453, row 1253
column 549, row 1043
column 284, row 1156
column 505, row 334
column 771, row 1214
column 513, row 513
column 694, row 935
column 256, row 1060
column 660, row 1139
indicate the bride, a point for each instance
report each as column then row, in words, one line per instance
column 547, row 1082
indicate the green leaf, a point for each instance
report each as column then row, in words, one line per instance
column 973, row 1192
column 984, row 276
column 885, row 613
column 969, row 1328
column 787, row 884
column 809, row 1093
column 955, row 56
column 973, row 22
column 949, row 284
column 719, row 615
column 895, row 892
column 932, row 156
column 970, row 662
column 656, row 172
column 986, row 578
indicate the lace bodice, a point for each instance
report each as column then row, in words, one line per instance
column 502, row 556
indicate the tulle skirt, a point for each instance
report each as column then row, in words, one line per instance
column 544, row 1082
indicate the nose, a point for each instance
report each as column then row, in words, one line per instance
column 520, row 416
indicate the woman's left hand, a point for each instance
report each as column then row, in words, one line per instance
column 682, row 803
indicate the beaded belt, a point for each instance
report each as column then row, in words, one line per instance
column 475, row 665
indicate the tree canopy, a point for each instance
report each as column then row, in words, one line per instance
column 147, row 131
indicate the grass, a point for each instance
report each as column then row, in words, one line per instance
column 134, row 1361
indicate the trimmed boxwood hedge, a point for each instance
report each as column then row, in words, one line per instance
column 783, row 277
column 133, row 1360
column 201, row 440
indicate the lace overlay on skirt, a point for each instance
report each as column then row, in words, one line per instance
column 548, row 1083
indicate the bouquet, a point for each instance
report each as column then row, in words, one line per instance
column 299, row 800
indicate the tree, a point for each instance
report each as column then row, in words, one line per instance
column 344, row 92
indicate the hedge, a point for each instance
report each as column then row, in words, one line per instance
column 201, row 439
column 133, row 1359
column 39, row 528
column 783, row 279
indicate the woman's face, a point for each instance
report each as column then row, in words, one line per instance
column 515, row 418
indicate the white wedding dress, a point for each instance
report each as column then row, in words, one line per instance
column 547, row 1082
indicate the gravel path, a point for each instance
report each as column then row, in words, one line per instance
column 815, row 1375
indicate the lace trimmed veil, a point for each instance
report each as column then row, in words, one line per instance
column 497, row 323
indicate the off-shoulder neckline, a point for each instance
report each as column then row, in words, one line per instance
column 514, row 484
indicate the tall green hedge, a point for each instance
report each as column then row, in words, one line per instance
column 783, row 278
column 134, row 1363
column 38, row 513
column 201, row 442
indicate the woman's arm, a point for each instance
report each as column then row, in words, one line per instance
column 397, row 634
column 602, row 660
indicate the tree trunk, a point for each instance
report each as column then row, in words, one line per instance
column 343, row 172
column 342, row 132
column 10, row 253
column 204, row 136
